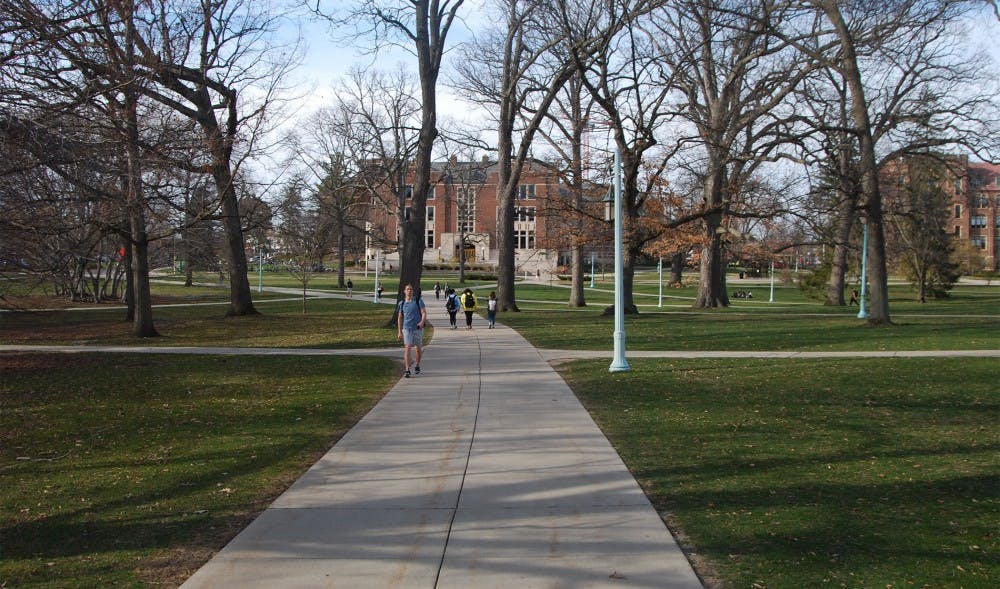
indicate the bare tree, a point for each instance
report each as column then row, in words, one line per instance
column 82, row 61
column 734, row 74
column 202, row 55
column 378, row 115
column 519, row 69
column 918, row 209
column 567, row 135
column 421, row 27
column 918, row 101
column 626, row 78
column 333, row 146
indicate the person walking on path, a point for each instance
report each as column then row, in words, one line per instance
column 451, row 305
column 437, row 290
column 350, row 288
column 411, row 320
column 491, row 309
column 468, row 305
column 854, row 298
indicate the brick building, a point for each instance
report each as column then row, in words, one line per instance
column 974, row 189
column 462, row 209
column 974, row 215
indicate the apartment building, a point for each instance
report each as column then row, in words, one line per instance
column 974, row 215
column 974, row 189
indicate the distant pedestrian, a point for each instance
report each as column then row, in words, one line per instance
column 412, row 316
column 491, row 310
column 854, row 298
column 350, row 288
column 451, row 305
column 437, row 290
column 378, row 292
column 469, row 306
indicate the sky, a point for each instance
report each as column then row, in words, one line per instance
column 327, row 59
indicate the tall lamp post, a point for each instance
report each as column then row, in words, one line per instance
column 260, row 268
column 591, row 269
column 771, row 300
column 659, row 276
column 618, row 362
column 862, row 312
column 378, row 250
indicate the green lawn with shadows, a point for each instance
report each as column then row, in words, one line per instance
column 131, row 470
column 812, row 473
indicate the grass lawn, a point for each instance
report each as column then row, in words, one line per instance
column 327, row 323
column 815, row 473
column 968, row 320
column 129, row 470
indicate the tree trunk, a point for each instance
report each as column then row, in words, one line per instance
column 838, row 270
column 677, row 268
column 129, row 282
column 240, row 300
column 505, row 250
column 142, row 322
column 506, row 190
column 578, row 128
column 341, row 252
column 712, row 283
column 878, row 312
column 576, row 294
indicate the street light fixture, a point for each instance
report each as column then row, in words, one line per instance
column 618, row 362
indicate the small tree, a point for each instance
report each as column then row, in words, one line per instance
column 918, row 210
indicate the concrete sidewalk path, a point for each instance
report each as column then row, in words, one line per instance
column 484, row 471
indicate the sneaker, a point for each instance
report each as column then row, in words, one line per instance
column 406, row 374
column 417, row 370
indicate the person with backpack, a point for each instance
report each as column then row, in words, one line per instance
column 491, row 310
column 451, row 305
column 469, row 306
column 411, row 320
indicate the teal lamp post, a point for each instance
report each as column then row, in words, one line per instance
column 862, row 311
column 618, row 362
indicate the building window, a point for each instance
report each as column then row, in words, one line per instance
column 430, row 193
column 977, row 221
column 429, row 227
column 526, row 191
column 980, row 202
column 524, row 239
column 958, row 231
column 978, row 241
column 958, row 211
column 408, row 191
column 526, row 214
column 466, row 218
column 958, row 186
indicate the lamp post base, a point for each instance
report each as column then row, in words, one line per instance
column 618, row 361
